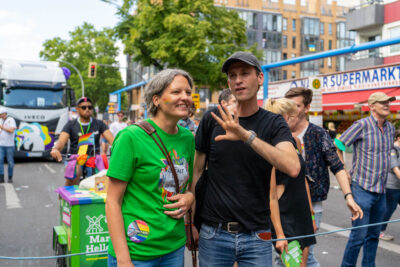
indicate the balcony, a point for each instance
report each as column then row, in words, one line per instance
column 364, row 59
column 365, row 16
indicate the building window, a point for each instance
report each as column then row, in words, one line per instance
column 321, row 28
column 310, row 43
column 251, row 37
column 271, row 40
column 321, row 45
column 285, row 75
column 293, row 74
column 394, row 32
column 329, row 62
column 330, row 28
column 294, row 25
column 250, row 18
column 271, row 56
column 294, row 42
column 284, row 22
column 321, row 63
column 284, row 41
column 284, row 56
column 272, row 22
column 330, row 45
column 293, row 55
column 310, row 26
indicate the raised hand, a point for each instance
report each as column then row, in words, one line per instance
column 231, row 125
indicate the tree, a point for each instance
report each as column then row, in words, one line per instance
column 194, row 35
column 88, row 45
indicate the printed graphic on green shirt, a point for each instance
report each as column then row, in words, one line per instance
column 138, row 231
column 167, row 182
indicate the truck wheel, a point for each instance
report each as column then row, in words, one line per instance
column 60, row 250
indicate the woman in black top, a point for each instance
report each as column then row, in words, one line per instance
column 332, row 130
column 294, row 196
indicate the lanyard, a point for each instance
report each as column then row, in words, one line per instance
column 87, row 130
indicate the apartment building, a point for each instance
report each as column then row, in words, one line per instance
column 373, row 20
column 286, row 29
column 282, row 29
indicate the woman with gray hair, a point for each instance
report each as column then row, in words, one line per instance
column 144, row 211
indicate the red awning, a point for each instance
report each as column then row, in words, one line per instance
column 346, row 100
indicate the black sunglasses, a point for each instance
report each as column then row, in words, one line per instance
column 86, row 107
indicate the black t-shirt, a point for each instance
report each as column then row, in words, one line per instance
column 73, row 128
column 332, row 134
column 239, row 178
column 294, row 207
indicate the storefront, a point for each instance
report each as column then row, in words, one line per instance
column 345, row 94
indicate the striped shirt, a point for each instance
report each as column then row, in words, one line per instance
column 371, row 153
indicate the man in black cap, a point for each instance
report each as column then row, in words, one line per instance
column 241, row 151
column 84, row 135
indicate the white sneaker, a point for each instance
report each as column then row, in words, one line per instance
column 385, row 237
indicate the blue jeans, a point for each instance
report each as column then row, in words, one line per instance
column 218, row 247
column 7, row 151
column 173, row 259
column 392, row 200
column 311, row 260
column 372, row 205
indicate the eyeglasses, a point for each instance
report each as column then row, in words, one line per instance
column 86, row 107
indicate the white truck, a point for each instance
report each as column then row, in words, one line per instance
column 37, row 97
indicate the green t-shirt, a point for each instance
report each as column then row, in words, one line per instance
column 137, row 160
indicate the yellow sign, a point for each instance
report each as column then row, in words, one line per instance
column 316, row 83
column 196, row 100
column 111, row 106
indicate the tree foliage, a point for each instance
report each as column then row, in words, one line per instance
column 194, row 35
column 86, row 45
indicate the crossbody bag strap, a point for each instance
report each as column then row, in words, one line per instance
column 151, row 131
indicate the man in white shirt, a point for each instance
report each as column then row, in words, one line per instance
column 7, row 144
column 117, row 126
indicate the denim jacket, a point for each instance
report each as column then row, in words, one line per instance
column 320, row 153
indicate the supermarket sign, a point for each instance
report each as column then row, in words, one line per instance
column 374, row 78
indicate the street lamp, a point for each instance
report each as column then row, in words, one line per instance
column 79, row 74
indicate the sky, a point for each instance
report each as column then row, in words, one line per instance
column 26, row 24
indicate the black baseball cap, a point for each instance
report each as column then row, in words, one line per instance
column 245, row 57
column 83, row 99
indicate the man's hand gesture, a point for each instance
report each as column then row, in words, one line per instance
column 234, row 131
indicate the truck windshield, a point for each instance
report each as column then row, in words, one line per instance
column 34, row 98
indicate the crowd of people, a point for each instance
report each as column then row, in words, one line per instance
column 243, row 176
column 248, row 174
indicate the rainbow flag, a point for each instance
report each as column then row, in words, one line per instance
column 86, row 139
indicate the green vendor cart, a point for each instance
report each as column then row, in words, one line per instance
column 83, row 227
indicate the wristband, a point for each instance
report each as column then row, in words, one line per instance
column 313, row 217
column 345, row 195
column 188, row 224
column 250, row 140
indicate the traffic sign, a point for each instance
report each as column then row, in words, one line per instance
column 112, row 107
column 196, row 100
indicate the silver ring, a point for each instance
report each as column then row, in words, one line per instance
column 180, row 210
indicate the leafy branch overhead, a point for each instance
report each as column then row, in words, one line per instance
column 85, row 45
column 194, row 35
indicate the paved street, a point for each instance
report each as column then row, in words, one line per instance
column 29, row 210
